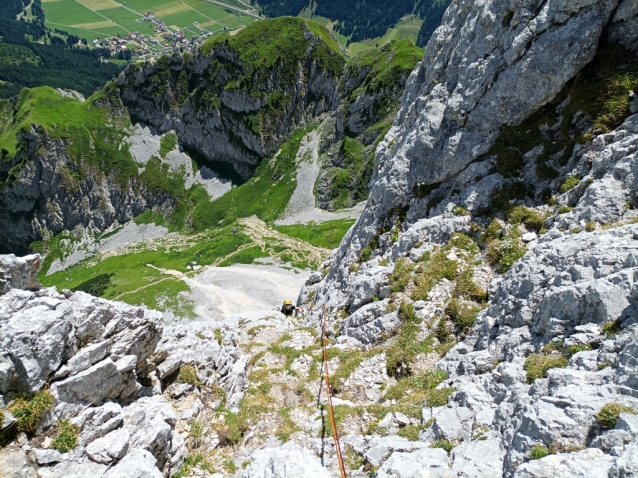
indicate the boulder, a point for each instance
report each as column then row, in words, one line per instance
column 286, row 461
column 589, row 463
column 19, row 272
column 431, row 462
column 137, row 464
column 111, row 447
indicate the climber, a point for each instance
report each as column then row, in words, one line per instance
column 289, row 309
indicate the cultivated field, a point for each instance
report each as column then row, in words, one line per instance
column 92, row 19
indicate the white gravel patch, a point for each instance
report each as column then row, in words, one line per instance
column 302, row 206
column 220, row 292
column 144, row 143
column 128, row 234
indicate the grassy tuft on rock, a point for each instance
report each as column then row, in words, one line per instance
column 28, row 412
column 66, row 438
column 608, row 414
column 537, row 365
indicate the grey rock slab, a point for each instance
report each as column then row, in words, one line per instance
column 137, row 464
column 109, row 448
column 96, row 384
column 14, row 464
column 380, row 447
column 47, row 457
column 83, row 468
column 19, row 272
column 87, row 357
column 478, row 459
column 626, row 466
column 34, row 342
column 430, row 462
column 286, row 461
column 589, row 463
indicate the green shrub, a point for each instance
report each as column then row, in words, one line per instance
column 505, row 252
column 67, row 437
column 441, row 332
column 553, row 347
column 590, row 226
column 439, row 397
column 611, row 328
column 608, row 414
column 460, row 211
column 538, row 451
column 437, row 268
column 187, row 374
column 570, row 183
column 463, row 315
column 401, row 275
column 366, row 253
column 445, row 444
column 574, row 349
column 466, row 287
column 411, row 432
column 29, row 412
column 537, row 365
column 564, row 209
column 406, row 347
column 522, row 215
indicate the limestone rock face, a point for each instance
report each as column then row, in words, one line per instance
column 288, row 461
column 227, row 124
column 54, row 193
column 489, row 64
column 15, row 274
column 93, row 355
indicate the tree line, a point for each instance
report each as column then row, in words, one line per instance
column 62, row 63
column 363, row 19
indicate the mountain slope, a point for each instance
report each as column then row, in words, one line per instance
column 361, row 20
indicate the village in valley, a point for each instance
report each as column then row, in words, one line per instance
column 140, row 29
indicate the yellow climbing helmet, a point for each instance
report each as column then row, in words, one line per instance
column 287, row 302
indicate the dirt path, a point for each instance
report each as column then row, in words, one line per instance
column 219, row 292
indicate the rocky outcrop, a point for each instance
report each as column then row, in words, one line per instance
column 19, row 272
column 54, row 192
column 105, row 366
column 232, row 103
column 488, row 65
column 554, row 343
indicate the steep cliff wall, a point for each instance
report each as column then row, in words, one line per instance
column 490, row 64
column 65, row 164
column 239, row 97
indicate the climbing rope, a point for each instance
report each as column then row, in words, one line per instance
column 333, row 423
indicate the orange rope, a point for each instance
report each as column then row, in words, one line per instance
column 335, row 433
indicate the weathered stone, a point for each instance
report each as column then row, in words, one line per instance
column 137, row 464
column 111, row 447
column 432, row 462
column 590, row 463
column 287, row 461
